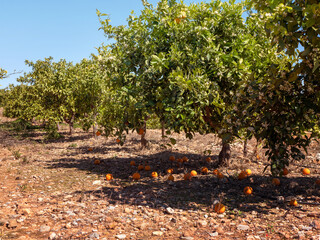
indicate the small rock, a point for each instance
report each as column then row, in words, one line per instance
column 12, row 223
column 127, row 210
column 220, row 230
column 44, row 228
column 120, row 236
column 214, row 234
column 97, row 182
column 280, row 199
column 169, row 210
column 52, row 236
column 202, row 223
column 173, row 220
column 243, row 227
column 157, row 233
column 94, row 235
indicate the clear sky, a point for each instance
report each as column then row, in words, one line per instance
column 35, row 29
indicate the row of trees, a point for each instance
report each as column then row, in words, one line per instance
column 198, row 68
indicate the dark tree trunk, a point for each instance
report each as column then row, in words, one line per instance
column 143, row 136
column 162, row 129
column 95, row 129
column 71, row 129
column 224, row 155
column 58, row 126
column 245, row 148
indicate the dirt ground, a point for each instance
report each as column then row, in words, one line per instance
column 53, row 190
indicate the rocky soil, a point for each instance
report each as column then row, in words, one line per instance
column 53, row 190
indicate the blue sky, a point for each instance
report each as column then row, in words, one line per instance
column 67, row 29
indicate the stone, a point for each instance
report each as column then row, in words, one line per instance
column 97, row 182
column 94, row 235
column 12, row 223
column 44, row 228
column 157, row 233
column 187, row 238
column 220, row 230
column 120, row 236
column 52, row 236
column 169, row 210
column 214, row 234
column 202, row 223
column 26, row 211
column 243, row 227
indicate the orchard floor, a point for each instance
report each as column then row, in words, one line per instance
column 53, row 190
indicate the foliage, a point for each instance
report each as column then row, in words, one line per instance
column 283, row 104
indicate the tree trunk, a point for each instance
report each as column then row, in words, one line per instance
column 162, row 129
column 58, row 126
column 224, row 155
column 71, row 129
column 143, row 136
column 245, row 148
column 95, row 129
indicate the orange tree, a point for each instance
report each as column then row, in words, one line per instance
column 289, row 97
column 186, row 63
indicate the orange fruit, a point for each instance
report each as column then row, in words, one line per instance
column 171, row 178
column 242, row 175
column 109, row 177
column 140, row 131
column 185, row 159
column 177, row 20
column 293, row 202
column 219, row 208
column 258, row 157
column 132, row 163
column 208, row 159
column 98, row 133
column 285, row 171
column 180, row 160
column 248, row 172
column 306, row 171
column 318, row 182
column 170, row 170
column 247, row 190
column 220, row 175
column 172, row 158
column 147, row 168
column 193, row 173
column 204, row 170
column 90, row 149
column 140, row 167
column 118, row 140
column 154, row 174
column 187, row 176
column 276, row 181
column 97, row 162
column 136, row 176
column 216, row 172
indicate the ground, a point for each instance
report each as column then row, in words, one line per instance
column 53, row 190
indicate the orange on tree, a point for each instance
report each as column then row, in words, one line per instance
column 306, row 171
column 208, row 159
column 118, row 140
column 180, row 160
column 140, row 131
column 276, row 181
column 136, row 176
column 193, row 173
column 204, row 170
column 109, row 177
column 98, row 133
column 293, row 202
column 140, row 167
column 247, row 190
column 154, row 174
column 97, row 162
column 90, row 149
column 172, row 158
column 219, row 208
column 171, row 178
column 185, row 159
